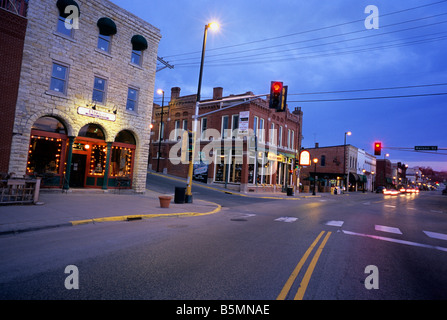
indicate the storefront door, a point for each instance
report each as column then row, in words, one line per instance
column 78, row 165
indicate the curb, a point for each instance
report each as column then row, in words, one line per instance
column 116, row 219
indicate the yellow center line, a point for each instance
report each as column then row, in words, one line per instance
column 303, row 286
column 285, row 290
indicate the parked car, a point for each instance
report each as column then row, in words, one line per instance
column 380, row 189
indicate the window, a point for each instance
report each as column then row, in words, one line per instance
column 224, row 127
column 136, row 57
column 261, row 130
column 62, row 29
column 234, row 125
column 59, row 78
column 288, row 138
column 292, row 139
column 104, row 43
column 280, row 137
column 255, row 125
column 132, row 99
column 99, row 90
column 203, row 127
column 323, row 161
column 177, row 130
column 272, row 134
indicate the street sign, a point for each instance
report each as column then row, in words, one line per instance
column 425, row 148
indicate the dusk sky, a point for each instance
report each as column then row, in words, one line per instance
column 393, row 79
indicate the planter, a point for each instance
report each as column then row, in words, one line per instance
column 164, row 201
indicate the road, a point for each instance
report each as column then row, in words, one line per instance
column 308, row 248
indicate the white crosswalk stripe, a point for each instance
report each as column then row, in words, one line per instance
column 436, row 235
column 387, row 229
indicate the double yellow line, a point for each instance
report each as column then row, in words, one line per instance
column 305, row 281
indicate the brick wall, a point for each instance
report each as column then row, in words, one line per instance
column 12, row 36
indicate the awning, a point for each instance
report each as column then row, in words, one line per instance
column 106, row 26
column 353, row 176
column 363, row 178
column 139, row 43
column 62, row 4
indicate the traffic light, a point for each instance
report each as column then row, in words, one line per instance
column 377, row 148
column 276, row 88
column 282, row 105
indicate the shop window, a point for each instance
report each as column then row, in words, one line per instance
column 126, row 136
column 121, row 162
column 44, row 155
column 98, row 160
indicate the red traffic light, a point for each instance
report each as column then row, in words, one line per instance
column 377, row 148
column 277, row 87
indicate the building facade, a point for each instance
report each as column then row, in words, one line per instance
column 85, row 96
column 242, row 144
column 12, row 37
column 344, row 166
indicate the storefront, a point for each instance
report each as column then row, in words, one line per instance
column 94, row 163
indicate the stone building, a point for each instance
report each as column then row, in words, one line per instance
column 227, row 152
column 85, row 96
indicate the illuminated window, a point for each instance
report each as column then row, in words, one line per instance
column 98, row 160
column 121, row 162
column 44, row 155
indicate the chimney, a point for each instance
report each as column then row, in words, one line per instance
column 317, row 145
column 217, row 93
column 175, row 93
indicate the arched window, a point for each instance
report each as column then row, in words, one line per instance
column 125, row 136
column 49, row 124
column 92, row 131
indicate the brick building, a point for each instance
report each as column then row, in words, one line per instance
column 242, row 143
column 344, row 166
column 85, row 96
column 12, row 37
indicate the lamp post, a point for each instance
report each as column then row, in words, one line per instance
column 159, row 91
column 188, row 195
column 348, row 133
column 315, row 160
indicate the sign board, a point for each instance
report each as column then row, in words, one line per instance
column 96, row 114
column 305, row 158
column 244, row 117
column 425, row 148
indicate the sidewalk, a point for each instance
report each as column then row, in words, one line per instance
column 90, row 206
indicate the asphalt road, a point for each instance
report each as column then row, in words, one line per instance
column 356, row 246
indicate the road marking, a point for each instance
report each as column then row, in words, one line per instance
column 285, row 290
column 286, row 219
column 436, row 235
column 437, row 211
column 335, row 223
column 303, row 286
column 387, row 229
column 410, row 243
column 390, row 206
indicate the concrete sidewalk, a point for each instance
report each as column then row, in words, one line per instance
column 89, row 206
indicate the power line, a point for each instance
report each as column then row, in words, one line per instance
column 372, row 98
column 306, row 31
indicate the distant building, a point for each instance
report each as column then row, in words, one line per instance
column 85, row 94
column 228, row 152
column 344, row 166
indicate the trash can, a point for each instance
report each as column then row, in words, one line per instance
column 290, row 192
column 179, row 196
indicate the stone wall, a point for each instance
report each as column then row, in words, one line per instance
column 44, row 46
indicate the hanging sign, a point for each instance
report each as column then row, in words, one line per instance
column 304, row 158
column 96, row 114
column 244, row 116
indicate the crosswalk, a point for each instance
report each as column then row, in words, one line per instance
column 391, row 229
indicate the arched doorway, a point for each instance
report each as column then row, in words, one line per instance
column 89, row 156
column 46, row 152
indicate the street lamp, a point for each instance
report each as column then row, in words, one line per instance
column 159, row 91
column 188, row 196
column 348, row 133
column 315, row 160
